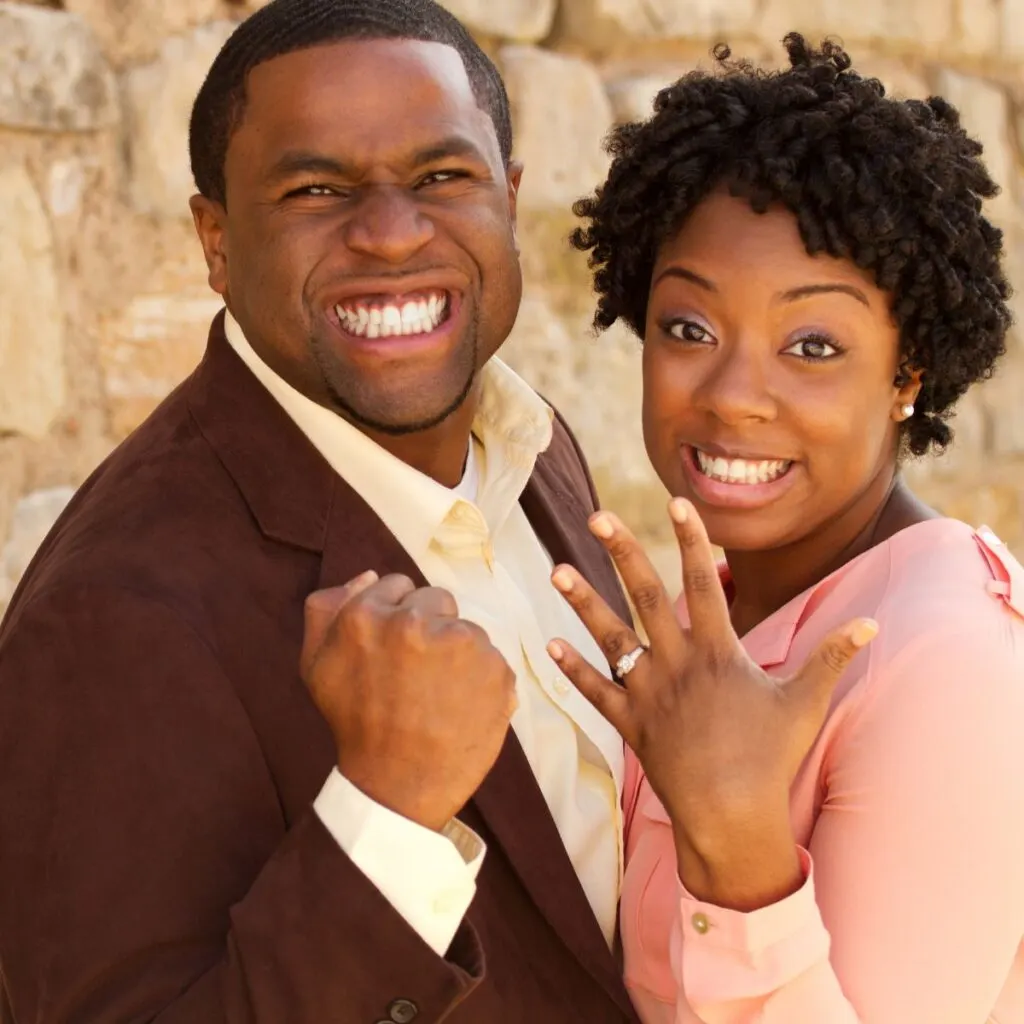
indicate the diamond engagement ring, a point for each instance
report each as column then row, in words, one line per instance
column 627, row 662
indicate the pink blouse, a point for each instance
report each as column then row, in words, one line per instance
column 910, row 808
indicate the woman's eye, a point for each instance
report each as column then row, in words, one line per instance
column 813, row 349
column 688, row 330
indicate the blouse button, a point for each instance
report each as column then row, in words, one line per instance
column 701, row 925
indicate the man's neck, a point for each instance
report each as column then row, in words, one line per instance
column 439, row 452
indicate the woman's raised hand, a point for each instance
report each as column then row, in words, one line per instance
column 719, row 739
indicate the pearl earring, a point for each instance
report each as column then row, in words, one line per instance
column 908, row 411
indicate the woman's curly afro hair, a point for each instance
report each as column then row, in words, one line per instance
column 895, row 186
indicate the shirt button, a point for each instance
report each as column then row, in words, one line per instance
column 562, row 688
column 402, row 1011
column 701, row 925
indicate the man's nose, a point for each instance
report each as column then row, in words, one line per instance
column 388, row 225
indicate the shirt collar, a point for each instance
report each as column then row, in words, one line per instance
column 513, row 426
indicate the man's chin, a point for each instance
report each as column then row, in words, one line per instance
column 400, row 418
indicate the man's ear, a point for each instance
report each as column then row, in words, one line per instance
column 514, row 177
column 210, row 219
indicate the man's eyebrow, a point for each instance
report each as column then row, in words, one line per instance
column 452, row 146
column 302, row 161
column 299, row 161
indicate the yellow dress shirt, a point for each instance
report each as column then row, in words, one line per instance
column 476, row 542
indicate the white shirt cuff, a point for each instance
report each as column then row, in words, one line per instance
column 428, row 877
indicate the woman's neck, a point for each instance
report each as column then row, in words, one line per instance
column 765, row 581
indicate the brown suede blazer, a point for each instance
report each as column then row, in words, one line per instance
column 159, row 755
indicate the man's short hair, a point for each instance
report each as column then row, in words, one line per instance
column 285, row 26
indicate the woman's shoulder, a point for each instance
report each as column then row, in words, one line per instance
column 943, row 575
column 949, row 601
column 942, row 593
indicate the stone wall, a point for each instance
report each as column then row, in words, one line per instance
column 103, row 299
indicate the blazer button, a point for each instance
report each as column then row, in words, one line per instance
column 403, row 1011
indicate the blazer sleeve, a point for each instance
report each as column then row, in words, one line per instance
column 913, row 910
column 148, row 874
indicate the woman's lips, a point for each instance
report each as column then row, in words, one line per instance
column 736, row 483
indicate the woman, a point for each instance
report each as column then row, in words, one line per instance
column 829, row 824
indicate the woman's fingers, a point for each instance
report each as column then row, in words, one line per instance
column 643, row 584
column 609, row 698
column 825, row 667
column 710, row 625
column 613, row 636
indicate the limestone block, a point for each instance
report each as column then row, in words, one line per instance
column 606, row 24
column 33, row 517
column 996, row 504
column 132, row 30
column 158, row 101
column 53, row 75
column 978, row 26
column 32, row 375
column 1002, row 398
column 985, row 113
column 151, row 347
column 900, row 80
column 1012, row 29
column 907, row 24
column 561, row 114
column 524, row 21
column 632, row 98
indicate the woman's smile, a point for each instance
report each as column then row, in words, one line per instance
column 726, row 481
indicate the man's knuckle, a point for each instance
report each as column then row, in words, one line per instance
column 358, row 618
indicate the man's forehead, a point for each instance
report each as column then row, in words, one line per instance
column 364, row 99
column 363, row 73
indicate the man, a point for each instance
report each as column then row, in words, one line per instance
column 192, row 830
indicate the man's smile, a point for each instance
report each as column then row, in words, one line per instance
column 386, row 316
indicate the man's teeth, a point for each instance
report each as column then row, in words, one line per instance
column 741, row 471
column 394, row 320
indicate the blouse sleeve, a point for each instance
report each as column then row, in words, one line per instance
column 914, row 900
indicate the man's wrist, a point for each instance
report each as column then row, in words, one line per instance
column 404, row 797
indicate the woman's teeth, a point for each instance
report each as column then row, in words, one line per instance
column 741, row 471
column 419, row 315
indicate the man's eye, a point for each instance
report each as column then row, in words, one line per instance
column 314, row 190
column 442, row 177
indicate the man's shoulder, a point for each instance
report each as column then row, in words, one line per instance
column 136, row 520
column 565, row 457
